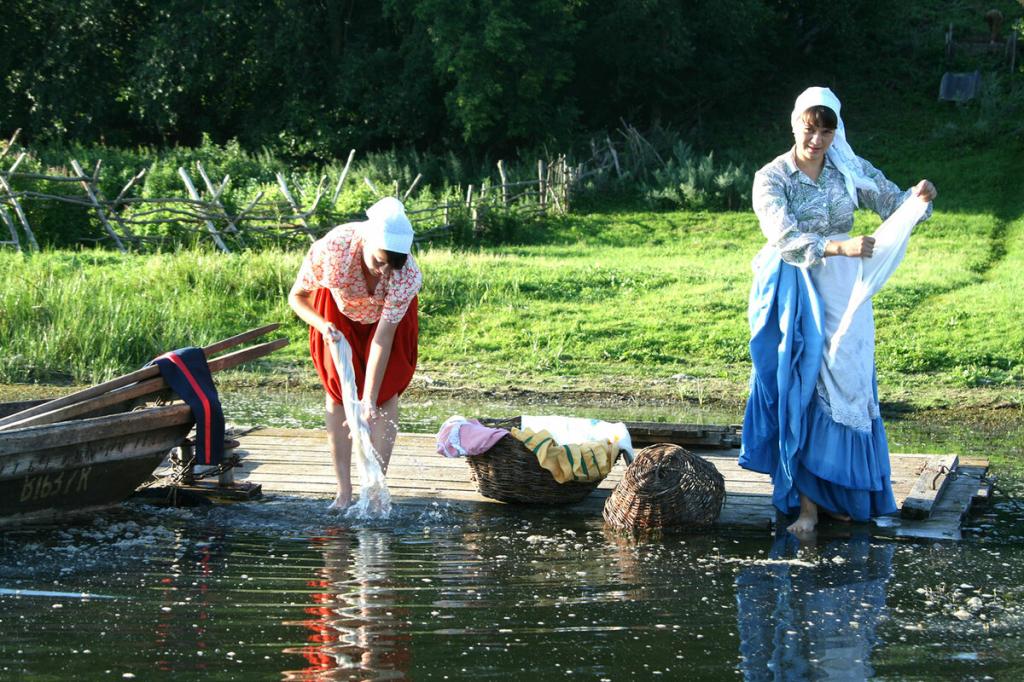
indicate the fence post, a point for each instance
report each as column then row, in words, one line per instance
column 195, row 197
column 6, row 216
column 615, row 158
column 415, row 181
column 295, row 206
column 215, row 194
column 97, row 198
column 89, row 192
column 504, row 183
column 341, row 180
column 20, row 213
column 567, row 180
column 542, row 192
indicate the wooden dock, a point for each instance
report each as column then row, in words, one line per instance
column 297, row 462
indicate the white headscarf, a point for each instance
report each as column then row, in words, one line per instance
column 387, row 227
column 840, row 152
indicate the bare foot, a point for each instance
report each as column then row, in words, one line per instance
column 341, row 500
column 808, row 519
column 804, row 525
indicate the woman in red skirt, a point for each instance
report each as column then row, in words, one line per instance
column 360, row 281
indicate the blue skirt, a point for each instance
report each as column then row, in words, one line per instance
column 842, row 470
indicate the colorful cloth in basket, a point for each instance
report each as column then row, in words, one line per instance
column 459, row 436
column 574, row 462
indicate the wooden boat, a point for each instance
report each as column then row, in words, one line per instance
column 51, row 470
column 93, row 448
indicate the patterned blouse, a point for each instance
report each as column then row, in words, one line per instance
column 334, row 262
column 799, row 215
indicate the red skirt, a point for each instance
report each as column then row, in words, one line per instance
column 401, row 363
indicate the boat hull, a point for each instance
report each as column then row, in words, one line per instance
column 50, row 471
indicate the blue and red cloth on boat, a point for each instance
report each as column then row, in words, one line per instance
column 186, row 372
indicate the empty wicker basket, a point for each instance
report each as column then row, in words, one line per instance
column 509, row 472
column 666, row 487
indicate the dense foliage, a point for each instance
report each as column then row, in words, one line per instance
column 313, row 79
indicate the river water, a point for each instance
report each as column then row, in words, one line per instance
column 281, row 589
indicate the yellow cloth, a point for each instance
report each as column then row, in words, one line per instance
column 580, row 462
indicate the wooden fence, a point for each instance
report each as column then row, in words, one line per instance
column 202, row 211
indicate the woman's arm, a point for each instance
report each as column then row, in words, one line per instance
column 889, row 196
column 780, row 226
column 376, row 363
column 858, row 247
column 301, row 301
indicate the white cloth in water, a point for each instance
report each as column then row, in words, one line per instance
column 374, row 496
column 572, row 430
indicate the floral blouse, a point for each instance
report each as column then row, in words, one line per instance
column 334, row 262
column 799, row 215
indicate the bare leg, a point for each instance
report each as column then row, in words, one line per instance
column 340, row 443
column 807, row 520
column 384, row 430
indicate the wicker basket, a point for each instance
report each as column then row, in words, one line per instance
column 666, row 487
column 509, row 472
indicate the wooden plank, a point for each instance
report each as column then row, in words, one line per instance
column 929, row 487
column 297, row 462
column 31, row 439
column 947, row 513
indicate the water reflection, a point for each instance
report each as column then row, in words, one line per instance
column 817, row 619
column 189, row 580
column 355, row 627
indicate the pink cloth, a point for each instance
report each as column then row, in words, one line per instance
column 459, row 436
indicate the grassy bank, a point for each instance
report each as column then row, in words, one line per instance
column 649, row 303
column 629, row 302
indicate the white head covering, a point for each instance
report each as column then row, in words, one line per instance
column 388, row 227
column 840, row 152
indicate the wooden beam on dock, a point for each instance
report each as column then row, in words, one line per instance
column 928, row 487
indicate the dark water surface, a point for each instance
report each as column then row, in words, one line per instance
column 282, row 589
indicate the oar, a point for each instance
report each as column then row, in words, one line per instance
column 141, row 388
column 131, row 378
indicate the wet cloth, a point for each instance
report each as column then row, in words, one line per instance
column 401, row 362
column 459, row 437
column 335, row 262
column 374, row 496
column 186, row 372
column 582, row 430
column 573, row 462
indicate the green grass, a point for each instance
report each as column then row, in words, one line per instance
column 614, row 300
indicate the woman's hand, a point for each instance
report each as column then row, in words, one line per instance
column 330, row 332
column 858, row 247
column 925, row 190
column 369, row 409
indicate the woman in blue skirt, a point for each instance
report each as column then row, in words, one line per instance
column 812, row 421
